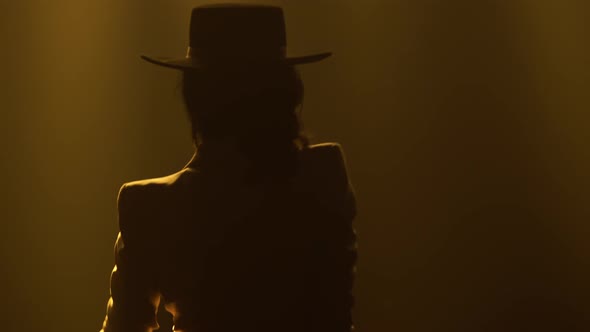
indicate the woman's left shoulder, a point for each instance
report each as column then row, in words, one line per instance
column 326, row 146
column 327, row 156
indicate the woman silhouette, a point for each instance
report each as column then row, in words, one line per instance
column 255, row 232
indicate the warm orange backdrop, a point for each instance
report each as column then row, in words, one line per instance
column 465, row 124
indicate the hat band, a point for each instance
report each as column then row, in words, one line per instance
column 192, row 52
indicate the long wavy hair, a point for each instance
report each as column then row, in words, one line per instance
column 256, row 106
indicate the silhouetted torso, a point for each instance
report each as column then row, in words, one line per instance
column 226, row 255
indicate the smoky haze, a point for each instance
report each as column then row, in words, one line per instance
column 465, row 126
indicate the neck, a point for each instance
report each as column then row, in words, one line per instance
column 218, row 153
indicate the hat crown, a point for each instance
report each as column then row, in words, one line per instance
column 237, row 31
column 235, row 34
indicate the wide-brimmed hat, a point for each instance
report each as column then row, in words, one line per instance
column 225, row 34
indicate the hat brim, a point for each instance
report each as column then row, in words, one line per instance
column 193, row 63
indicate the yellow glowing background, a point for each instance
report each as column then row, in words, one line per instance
column 465, row 125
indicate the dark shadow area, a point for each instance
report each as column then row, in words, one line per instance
column 255, row 233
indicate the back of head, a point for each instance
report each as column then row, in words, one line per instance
column 254, row 106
